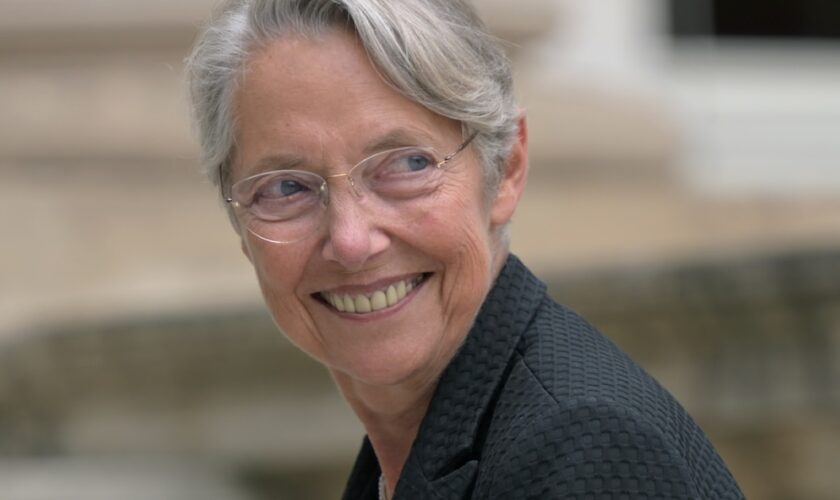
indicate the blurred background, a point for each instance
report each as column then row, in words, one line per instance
column 684, row 195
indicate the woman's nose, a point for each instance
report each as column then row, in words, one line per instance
column 354, row 234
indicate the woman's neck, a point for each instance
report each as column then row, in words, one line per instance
column 391, row 417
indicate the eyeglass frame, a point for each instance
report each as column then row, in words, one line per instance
column 230, row 202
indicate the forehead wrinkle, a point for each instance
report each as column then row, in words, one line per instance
column 309, row 159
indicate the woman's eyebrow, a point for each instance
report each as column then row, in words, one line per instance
column 277, row 161
column 397, row 138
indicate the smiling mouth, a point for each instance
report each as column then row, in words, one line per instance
column 364, row 303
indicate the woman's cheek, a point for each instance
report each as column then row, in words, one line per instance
column 279, row 275
column 294, row 321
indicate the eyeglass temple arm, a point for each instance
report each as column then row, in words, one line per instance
column 462, row 147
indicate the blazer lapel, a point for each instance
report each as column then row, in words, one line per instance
column 363, row 482
column 444, row 458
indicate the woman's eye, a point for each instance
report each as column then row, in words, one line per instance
column 417, row 162
column 281, row 189
column 409, row 162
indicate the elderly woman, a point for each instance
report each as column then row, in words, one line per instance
column 371, row 154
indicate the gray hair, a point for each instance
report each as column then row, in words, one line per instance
column 437, row 53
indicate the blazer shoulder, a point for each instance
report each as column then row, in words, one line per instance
column 578, row 447
column 584, row 447
column 585, row 416
column 571, row 359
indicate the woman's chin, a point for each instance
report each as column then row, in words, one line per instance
column 386, row 370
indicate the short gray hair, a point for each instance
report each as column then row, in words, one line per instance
column 437, row 53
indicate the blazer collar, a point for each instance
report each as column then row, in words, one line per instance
column 444, row 458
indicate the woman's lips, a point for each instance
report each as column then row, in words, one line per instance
column 363, row 303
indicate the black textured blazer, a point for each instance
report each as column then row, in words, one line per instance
column 539, row 405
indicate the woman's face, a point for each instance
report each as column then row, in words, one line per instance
column 319, row 101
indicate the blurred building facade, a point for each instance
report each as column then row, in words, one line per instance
column 683, row 196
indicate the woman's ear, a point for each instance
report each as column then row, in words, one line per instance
column 514, row 176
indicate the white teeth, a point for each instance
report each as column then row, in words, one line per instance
column 379, row 299
column 362, row 304
column 349, row 305
column 391, row 295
